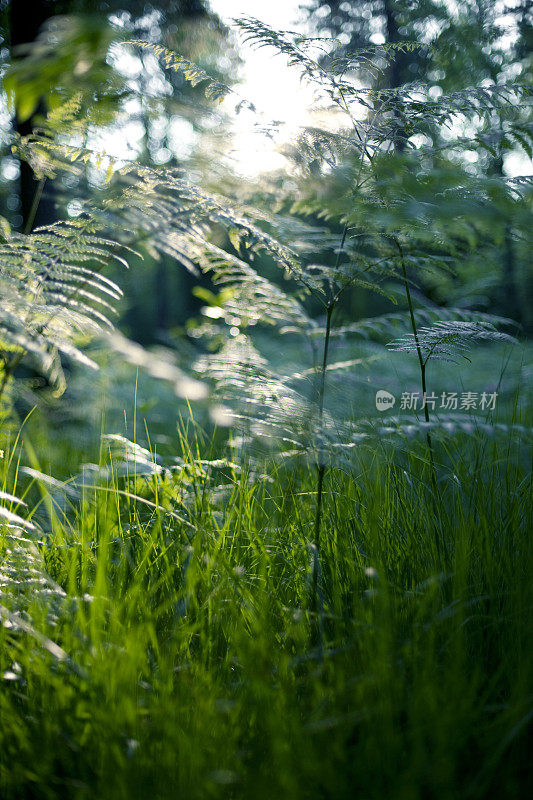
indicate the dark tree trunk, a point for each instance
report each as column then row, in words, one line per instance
column 37, row 207
column 397, row 65
column 192, row 8
column 510, row 301
column 509, row 283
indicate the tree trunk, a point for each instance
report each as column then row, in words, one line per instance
column 397, row 64
column 510, row 303
column 26, row 18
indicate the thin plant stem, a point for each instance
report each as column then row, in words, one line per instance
column 422, row 361
column 321, row 471
column 423, row 365
column 321, row 393
column 34, row 206
column 321, row 468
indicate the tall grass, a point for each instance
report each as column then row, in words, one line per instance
column 354, row 621
column 163, row 646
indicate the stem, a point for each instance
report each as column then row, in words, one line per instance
column 321, row 393
column 421, row 360
column 34, row 206
column 321, row 469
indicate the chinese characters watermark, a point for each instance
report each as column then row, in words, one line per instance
column 446, row 401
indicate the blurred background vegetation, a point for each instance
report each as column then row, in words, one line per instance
column 69, row 48
column 134, row 109
column 65, row 49
column 171, row 626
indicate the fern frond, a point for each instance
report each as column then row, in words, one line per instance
column 193, row 74
column 160, row 364
column 447, row 340
column 51, row 297
column 389, row 324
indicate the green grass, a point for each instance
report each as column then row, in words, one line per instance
column 193, row 668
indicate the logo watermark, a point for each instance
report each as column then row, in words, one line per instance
column 384, row 400
column 446, row 401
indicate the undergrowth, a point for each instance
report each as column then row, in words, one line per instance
column 305, row 601
column 172, row 652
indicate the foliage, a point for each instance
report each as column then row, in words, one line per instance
column 211, row 621
column 50, row 297
column 170, row 649
column 384, row 236
column 70, row 57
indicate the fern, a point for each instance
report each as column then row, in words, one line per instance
column 396, row 211
column 447, row 340
column 195, row 75
column 367, row 263
column 51, row 298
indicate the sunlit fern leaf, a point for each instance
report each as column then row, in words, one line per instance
column 253, row 298
column 164, row 205
column 305, row 53
column 23, row 577
column 53, row 295
column 317, row 56
column 195, row 75
column 29, row 597
column 260, row 402
column 449, row 340
column 322, row 63
column 389, row 324
column 160, row 364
